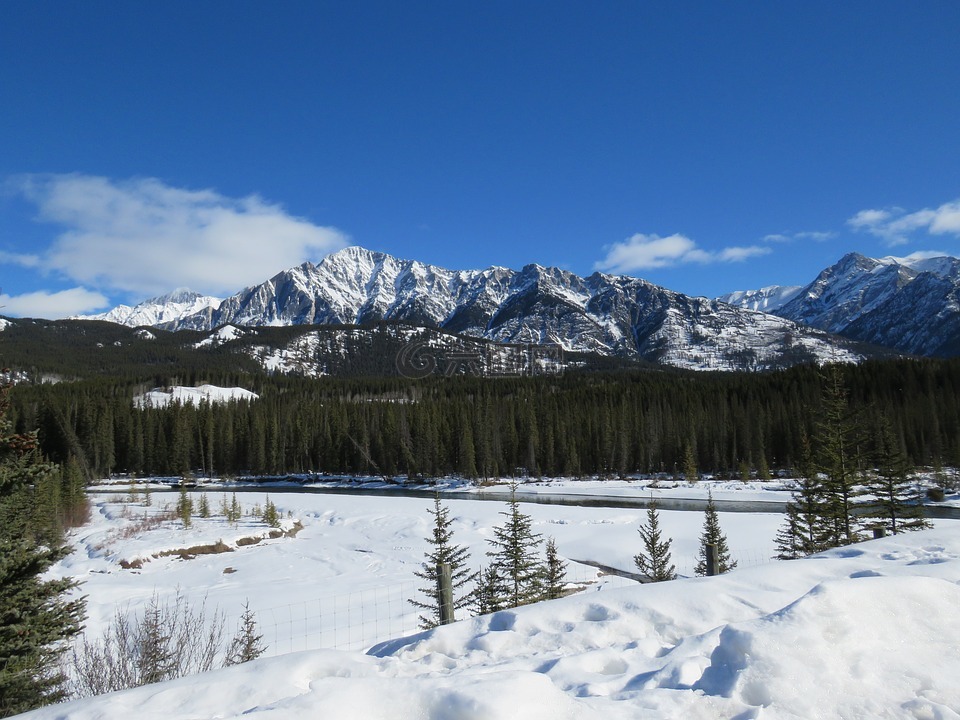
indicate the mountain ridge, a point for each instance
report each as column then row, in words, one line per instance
column 610, row 315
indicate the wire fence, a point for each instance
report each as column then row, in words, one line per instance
column 352, row 621
column 360, row 619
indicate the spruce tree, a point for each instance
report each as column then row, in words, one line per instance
column 236, row 511
column 270, row 515
column 516, row 554
column 247, row 644
column 204, row 506
column 442, row 550
column 491, row 591
column 36, row 619
column 185, row 507
column 690, row 471
column 807, row 527
column 156, row 658
column 554, row 572
column 654, row 559
column 712, row 535
column 836, row 448
column 897, row 506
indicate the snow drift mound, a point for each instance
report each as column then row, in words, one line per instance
column 896, row 638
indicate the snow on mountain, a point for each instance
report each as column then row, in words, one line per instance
column 846, row 291
column 226, row 333
column 609, row 315
column 942, row 265
column 4, row 324
column 863, row 631
column 766, row 299
column 910, row 304
column 162, row 397
column 158, row 310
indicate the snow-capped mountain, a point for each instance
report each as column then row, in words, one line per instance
column 910, row 304
column 605, row 314
column 159, row 310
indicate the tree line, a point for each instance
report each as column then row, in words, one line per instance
column 570, row 425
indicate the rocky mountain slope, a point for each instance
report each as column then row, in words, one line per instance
column 911, row 305
column 603, row 314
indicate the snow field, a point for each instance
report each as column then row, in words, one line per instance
column 343, row 581
column 868, row 631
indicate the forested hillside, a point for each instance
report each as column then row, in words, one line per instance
column 570, row 424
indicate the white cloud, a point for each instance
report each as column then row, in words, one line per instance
column 27, row 261
column 145, row 237
column 869, row 218
column 43, row 304
column 645, row 252
column 807, row 235
column 946, row 220
column 777, row 238
column 738, row 254
column 894, row 226
column 814, row 235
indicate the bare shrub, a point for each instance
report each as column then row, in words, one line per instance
column 167, row 640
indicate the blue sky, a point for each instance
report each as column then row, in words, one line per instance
column 704, row 146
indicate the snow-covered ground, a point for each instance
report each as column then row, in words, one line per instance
column 868, row 631
column 161, row 397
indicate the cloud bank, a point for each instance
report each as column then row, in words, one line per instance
column 895, row 225
column 52, row 304
column 647, row 252
column 145, row 237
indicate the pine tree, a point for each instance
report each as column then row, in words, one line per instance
column 835, row 448
column 204, row 506
column 270, row 515
column 516, row 554
column 491, row 591
column 236, row 511
column 156, row 659
column 897, row 506
column 35, row 617
column 554, row 572
column 690, row 471
column 185, row 507
column 712, row 535
column 442, row 550
column 654, row 560
column 247, row 644
column 807, row 527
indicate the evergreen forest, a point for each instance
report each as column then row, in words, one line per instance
column 572, row 424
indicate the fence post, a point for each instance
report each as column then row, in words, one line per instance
column 713, row 562
column 445, row 593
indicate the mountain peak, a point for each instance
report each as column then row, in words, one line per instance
column 179, row 295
